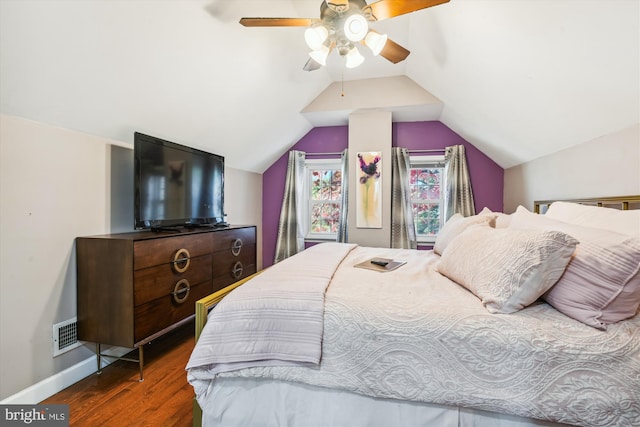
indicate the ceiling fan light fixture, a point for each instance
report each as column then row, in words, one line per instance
column 354, row 58
column 355, row 27
column 315, row 36
column 343, row 23
column 320, row 55
column 375, row 41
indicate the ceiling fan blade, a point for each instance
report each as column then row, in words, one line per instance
column 277, row 22
column 311, row 65
column 384, row 9
column 393, row 52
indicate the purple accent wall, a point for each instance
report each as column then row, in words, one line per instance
column 486, row 176
column 330, row 139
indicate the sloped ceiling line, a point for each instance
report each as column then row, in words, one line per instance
column 517, row 79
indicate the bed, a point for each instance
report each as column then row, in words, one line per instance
column 520, row 319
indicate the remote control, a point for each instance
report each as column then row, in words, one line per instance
column 380, row 263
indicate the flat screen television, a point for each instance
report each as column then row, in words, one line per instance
column 176, row 185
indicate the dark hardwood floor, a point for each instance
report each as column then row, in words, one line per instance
column 116, row 397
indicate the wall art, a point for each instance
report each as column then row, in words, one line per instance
column 369, row 190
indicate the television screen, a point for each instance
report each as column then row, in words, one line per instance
column 176, row 185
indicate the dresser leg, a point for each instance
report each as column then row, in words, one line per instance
column 141, row 360
column 98, row 356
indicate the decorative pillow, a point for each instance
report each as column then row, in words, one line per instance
column 502, row 219
column 601, row 284
column 507, row 269
column 624, row 222
column 457, row 224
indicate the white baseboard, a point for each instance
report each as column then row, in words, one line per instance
column 48, row 387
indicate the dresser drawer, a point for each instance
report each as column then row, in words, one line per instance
column 164, row 312
column 234, row 240
column 226, row 280
column 228, row 268
column 156, row 282
column 225, row 263
column 166, row 250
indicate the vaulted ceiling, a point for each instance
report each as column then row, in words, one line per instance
column 519, row 79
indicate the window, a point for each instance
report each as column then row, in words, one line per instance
column 324, row 191
column 427, row 196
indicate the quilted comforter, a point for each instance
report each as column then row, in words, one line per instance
column 412, row 334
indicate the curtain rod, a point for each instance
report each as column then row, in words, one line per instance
column 323, row 154
column 338, row 153
column 435, row 150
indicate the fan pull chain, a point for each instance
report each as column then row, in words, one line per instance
column 342, row 84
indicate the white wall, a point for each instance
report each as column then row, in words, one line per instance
column 243, row 201
column 57, row 184
column 370, row 131
column 606, row 166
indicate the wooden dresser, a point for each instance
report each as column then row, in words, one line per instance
column 134, row 287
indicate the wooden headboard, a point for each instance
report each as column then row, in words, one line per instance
column 617, row 202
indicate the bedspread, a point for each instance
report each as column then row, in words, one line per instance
column 412, row 334
column 276, row 318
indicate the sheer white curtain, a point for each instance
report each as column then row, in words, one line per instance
column 458, row 197
column 343, row 235
column 290, row 227
column 403, row 232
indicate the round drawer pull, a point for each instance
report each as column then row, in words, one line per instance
column 236, row 247
column 182, row 256
column 236, row 271
column 181, row 291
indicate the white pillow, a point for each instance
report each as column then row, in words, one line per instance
column 508, row 269
column 601, row 284
column 457, row 224
column 502, row 219
column 624, row 222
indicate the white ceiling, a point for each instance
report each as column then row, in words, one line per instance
column 518, row 78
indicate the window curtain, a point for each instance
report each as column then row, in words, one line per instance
column 290, row 227
column 458, row 197
column 344, row 199
column 403, row 232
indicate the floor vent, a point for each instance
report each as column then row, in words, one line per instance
column 65, row 336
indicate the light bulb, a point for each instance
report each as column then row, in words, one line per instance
column 355, row 27
column 375, row 42
column 320, row 55
column 354, row 58
column 315, row 36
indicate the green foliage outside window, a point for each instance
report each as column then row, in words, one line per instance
column 326, row 186
column 426, row 197
column 425, row 186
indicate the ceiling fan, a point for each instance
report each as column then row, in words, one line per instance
column 343, row 24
